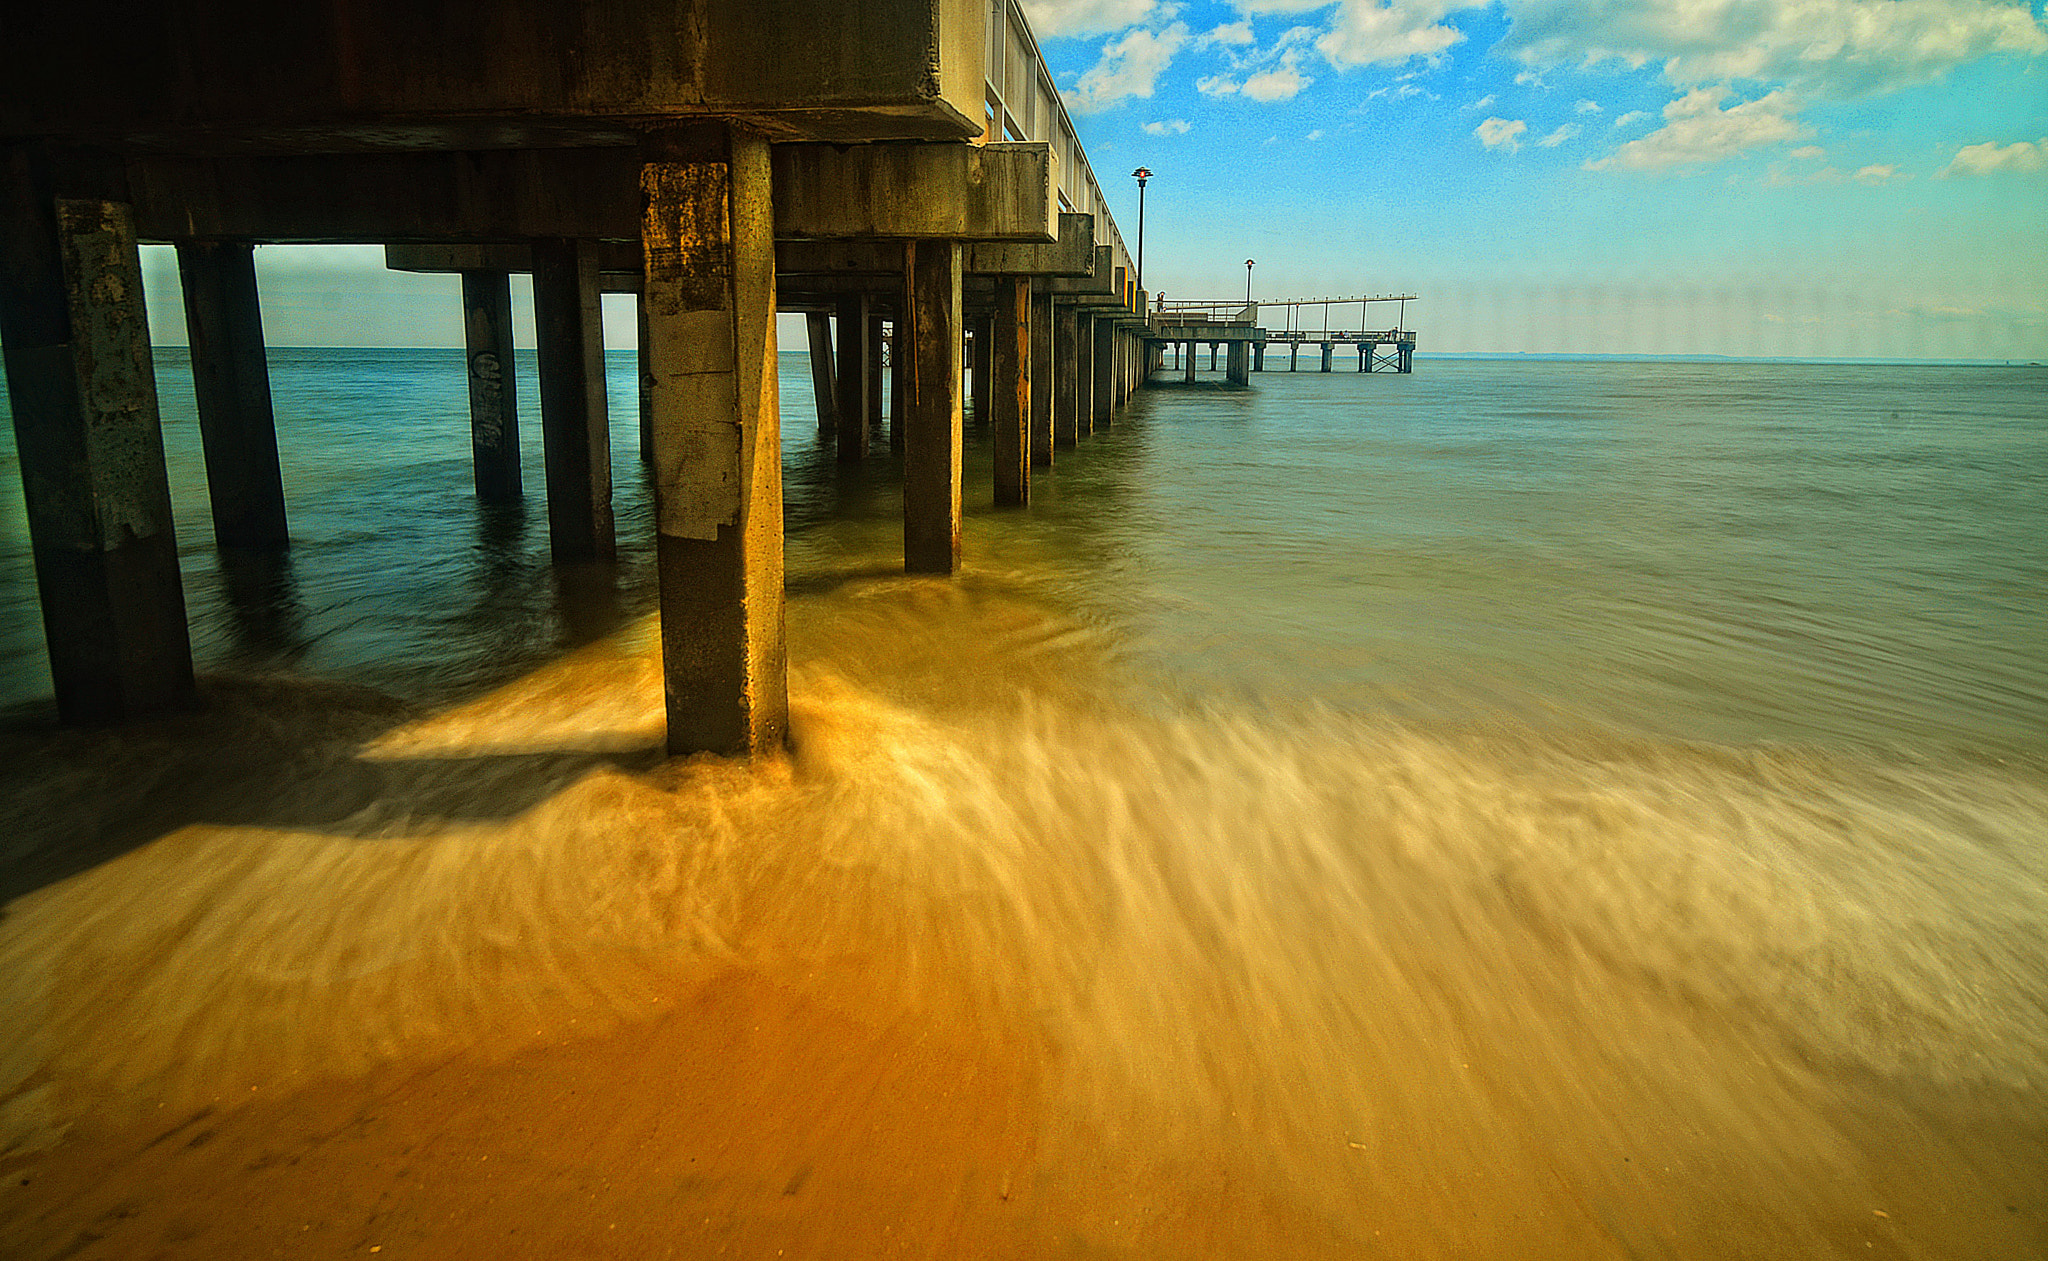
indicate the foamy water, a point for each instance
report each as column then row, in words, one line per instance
column 1409, row 978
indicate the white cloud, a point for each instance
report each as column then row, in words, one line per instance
column 1697, row 131
column 1989, row 157
column 1587, row 107
column 1482, row 102
column 1874, row 175
column 1052, row 18
column 1559, row 136
column 1633, row 116
column 1809, row 151
column 1171, row 127
column 1530, row 79
column 1825, row 47
column 1231, row 34
column 1216, row 85
column 1130, row 66
column 1317, row 134
column 1500, row 133
column 1278, row 84
column 1369, row 33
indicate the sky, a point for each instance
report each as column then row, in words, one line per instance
column 1853, row 178
column 1802, row 178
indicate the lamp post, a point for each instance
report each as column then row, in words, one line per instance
column 1141, row 175
column 1248, row 280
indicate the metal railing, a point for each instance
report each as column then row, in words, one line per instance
column 1023, row 104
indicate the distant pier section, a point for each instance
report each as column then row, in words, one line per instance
column 1240, row 332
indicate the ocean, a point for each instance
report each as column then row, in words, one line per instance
column 1520, row 809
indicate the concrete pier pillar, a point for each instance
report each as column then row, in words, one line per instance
column 575, row 434
column 1067, row 366
column 493, row 398
column 932, row 438
column 1212, row 356
column 1188, row 362
column 1042, row 374
column 86, row 429
column 231, row 384
column 851, row 400
column 708, row 234
column 983, row 378
column 1293, row 354
column 824, row 381
column 1328, row 351
column 1084, row 374
column 1239, row 363
column 1104, row 364
column 1364, row 355
column 1010, row 388
column 1407, row 350
column 1258, row 356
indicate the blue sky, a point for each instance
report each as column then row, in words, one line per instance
column 1751, row 177
column 1747, row 177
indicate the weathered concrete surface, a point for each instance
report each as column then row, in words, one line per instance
column 575, row 434
column 709, row 241
column 1010, row 390
column 945, row 191
column 1102, row 366
column 981, row 330
column 1043, row 369
column 892, row 190
column 932, row 419
column 493, row 380
column 338, row 75
column 231, row 385
column 1069, row 354
column 83, row 391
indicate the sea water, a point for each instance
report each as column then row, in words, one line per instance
column 1518, row 808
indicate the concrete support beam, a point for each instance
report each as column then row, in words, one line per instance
column 1066, row 355
column 992, row 192
column 1188, row 356
column 493, row 393
column 709, row 239
column 1258, row 356
column 83, row 391
column 1239, row 364
column 947, row 191
column 1328, row 351
column 646, row 383
column 1010, row 373
column 231, row 384
column 1104, row 365
column 824, row 381
column 854, row 418
column 932, row 441
column 1042, row 374
column 575, row 430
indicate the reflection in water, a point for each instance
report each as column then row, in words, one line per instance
column 268, row 612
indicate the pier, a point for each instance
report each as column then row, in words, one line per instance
column 1239, row 330
column 902, row 173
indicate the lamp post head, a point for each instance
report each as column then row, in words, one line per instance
column 1141, row 175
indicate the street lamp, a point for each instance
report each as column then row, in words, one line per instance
column 1248, row 281
column 1141, row 175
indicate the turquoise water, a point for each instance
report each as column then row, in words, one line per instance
column 1530, row 809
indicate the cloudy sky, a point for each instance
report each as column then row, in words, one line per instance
column 1751, row 177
